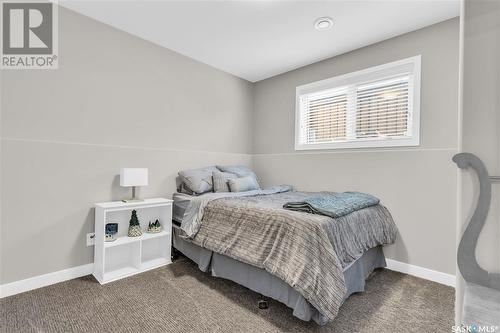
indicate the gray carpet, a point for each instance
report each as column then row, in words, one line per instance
column 180, row 298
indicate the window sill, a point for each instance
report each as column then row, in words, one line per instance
column 413, row 142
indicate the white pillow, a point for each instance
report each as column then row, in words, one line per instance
column 239, row 170
column 243, row 184
column 198, row 180
column 221, row 180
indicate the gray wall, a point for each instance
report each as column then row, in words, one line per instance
column 481, row 116
column 481, row 124
column 418, row 185
column 115, row 101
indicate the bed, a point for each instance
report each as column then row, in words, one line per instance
column 311, row 263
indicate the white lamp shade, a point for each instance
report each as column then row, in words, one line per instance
column 133, row 176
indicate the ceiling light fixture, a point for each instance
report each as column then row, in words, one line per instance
column 323, row 23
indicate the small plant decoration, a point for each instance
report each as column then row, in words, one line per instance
column 134, row 228
column 154, row 227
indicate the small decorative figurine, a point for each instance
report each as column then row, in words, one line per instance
column 111, row 231
column 154, row 227
column 134, row 228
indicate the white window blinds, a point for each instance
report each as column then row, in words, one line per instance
column 324, row 116
column 382, row 109
column 371, row 109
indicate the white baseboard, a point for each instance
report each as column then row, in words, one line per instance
column 39, row 281
column 421, row 272
column 75, row 272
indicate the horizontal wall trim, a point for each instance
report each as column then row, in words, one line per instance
column 312, row 152
column 120, row 146
column 421, row 272
column 354, row 151
column 44, row 280
column 48, row 279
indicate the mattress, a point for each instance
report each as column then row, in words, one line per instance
column 181, row 201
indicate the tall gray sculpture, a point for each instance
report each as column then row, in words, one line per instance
column 466, row 258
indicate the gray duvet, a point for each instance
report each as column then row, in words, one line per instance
column 306, row 251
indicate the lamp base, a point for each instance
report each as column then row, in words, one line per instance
column 132, row 200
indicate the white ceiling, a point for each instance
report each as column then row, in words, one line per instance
column 259, row 39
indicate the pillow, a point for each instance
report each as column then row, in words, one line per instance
column 185, row 190
column 243, row 184
column 198, row 180
column 178, row 183
column 239, row 170
column 220, row 180
column 181, row 188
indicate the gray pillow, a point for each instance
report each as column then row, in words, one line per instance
column 220, row 180
column 243, row 184
column 239, row 170
column 184, row 189
column 181, row 188
column 198, row 180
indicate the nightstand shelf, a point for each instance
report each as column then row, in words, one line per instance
column 121, row 273
column 127, row 256
column 154, row 263
column 145, row 236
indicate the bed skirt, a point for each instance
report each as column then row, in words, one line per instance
column 262, row 282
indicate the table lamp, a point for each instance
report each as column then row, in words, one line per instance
column 132, row 177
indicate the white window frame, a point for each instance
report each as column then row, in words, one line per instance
column 410, row 66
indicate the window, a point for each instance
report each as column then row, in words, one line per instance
column 374, row 107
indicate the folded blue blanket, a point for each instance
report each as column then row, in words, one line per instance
column 335, row 205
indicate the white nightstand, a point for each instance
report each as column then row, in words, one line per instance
column 127, row 256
